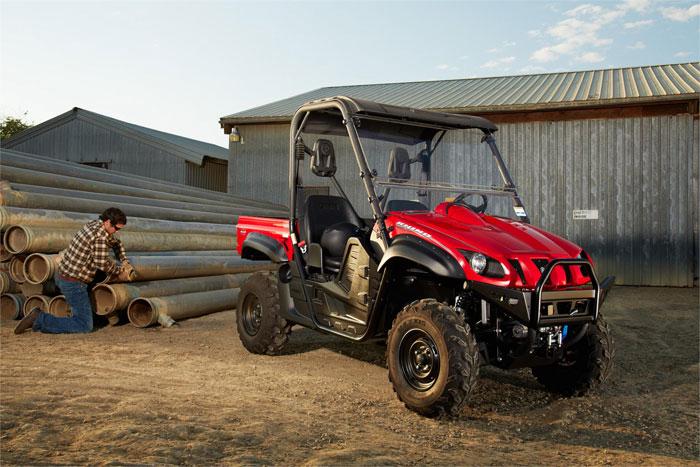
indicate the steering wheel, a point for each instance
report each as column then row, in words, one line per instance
column 479, row 209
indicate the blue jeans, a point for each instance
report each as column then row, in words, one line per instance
column 76, row 294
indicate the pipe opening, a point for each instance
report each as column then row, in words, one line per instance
column 10, row 306
column 35, row 301
column 16, row 270
column 141, row 313
column 105, row 300
column 16, row 239
column 59, row 307
column 37, row 269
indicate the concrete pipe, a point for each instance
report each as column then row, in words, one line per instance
column 143, row 312
column 40, row 267
column 16, row 269
column 65, row 219
column 58, row 306
column 36, row 301
column 157, row 241
column 52, row 165
column 173, row 267
column 21, row 239
column 11, row 306
column 9, row 197
column 114, row 297
column 232, row 210
column 184, row 253
column 39, row 178
column 7, row 285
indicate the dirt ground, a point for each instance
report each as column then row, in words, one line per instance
column 193, row 395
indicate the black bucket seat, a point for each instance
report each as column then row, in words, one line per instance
column 330, row 221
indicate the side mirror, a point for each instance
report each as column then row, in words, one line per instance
column 323, row 158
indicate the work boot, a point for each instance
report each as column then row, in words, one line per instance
column 28, row 321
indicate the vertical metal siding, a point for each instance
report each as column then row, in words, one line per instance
column 641, row 174
column 212, row 175
column 258, row 164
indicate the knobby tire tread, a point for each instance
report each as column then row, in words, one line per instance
column 463, row 357
column 599, row 356
column 271, row 337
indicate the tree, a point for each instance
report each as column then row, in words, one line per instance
column 10, row 126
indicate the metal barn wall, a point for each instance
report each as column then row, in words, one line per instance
column 81, row 141
column 212, row 175
column 641, row 174
column 258, row 165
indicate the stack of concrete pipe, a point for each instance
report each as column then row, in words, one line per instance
column 181, row 240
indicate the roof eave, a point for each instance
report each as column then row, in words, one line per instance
column 601, row 103
column 227, row 122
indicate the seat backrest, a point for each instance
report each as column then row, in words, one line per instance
column 405, row 205
column 323, row 211
column 399, row 169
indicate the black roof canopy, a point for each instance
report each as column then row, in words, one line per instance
column 388, row 122
column 443, row 120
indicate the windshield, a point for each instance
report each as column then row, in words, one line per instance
column 415, row 174
column 416, row 166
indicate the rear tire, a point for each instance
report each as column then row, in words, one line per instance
column 433, row 358
column 260, row 327
column 585, row 366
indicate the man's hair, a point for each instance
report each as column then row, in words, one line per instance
column 114, row 215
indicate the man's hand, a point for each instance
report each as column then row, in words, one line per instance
column 127, row 273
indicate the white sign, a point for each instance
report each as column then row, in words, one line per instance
column 584, row 214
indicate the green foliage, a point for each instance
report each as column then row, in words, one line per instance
column 10, row 126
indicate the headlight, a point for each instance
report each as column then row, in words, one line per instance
column 483, row 265
column 478, row 262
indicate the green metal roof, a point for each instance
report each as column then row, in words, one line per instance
column 189, row 149
column 506, row 93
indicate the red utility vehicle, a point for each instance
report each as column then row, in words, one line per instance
column 452, row 275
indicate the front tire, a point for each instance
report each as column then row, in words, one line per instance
column 260, row 327
column 433, row 358
column 584, row 367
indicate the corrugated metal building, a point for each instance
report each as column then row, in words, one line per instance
column 623, row 142
column 90, row 138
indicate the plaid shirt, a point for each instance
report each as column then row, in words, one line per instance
column 89, row 251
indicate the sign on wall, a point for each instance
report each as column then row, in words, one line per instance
column 585, row 214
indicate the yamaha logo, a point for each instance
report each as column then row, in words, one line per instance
column 413, row 229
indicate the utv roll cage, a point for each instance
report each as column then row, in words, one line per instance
column 343, row 116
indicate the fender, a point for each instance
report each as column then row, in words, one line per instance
column 421, row 252
column 257, row 246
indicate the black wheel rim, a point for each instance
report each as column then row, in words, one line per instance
column 251, row 315
column 419, row 359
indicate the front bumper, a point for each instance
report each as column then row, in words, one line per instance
column 539, row 307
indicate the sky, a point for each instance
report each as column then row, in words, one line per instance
column 180, row 66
